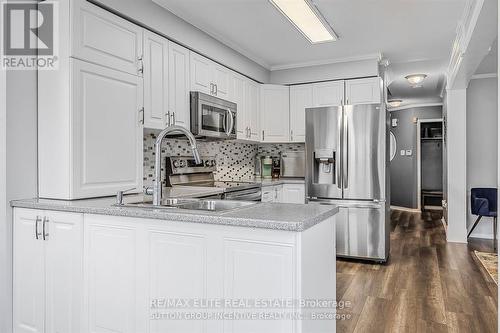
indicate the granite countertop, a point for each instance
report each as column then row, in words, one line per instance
column 287, row 217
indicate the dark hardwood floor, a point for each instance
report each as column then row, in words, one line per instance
column 428, row 285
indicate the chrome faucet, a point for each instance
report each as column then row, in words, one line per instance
column 157, row 188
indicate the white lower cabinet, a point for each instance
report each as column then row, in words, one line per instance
column 294, row 193
column 48, row 272
column 284, row 193
column 99, row 273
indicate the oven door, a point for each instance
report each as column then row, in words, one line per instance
column 254, row 194
column 215, row 120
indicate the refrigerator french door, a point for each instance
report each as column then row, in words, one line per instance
column 346, row 166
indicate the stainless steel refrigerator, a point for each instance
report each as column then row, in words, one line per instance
column 347, row 165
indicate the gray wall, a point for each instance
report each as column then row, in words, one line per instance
column 482, row 144
column 161, row 20
column 335, row 71
column 404, row 168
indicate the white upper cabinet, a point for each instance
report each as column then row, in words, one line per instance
column 179, row 103
column 107, row 132
column 201, row 74
column 209, row 77
column 301, row 97
column 363, row 91
column 220, row 75
column 106, row 39
column 328, row 93
column 275, row 113
column 237, row 95
column 253, row 109
column 156, row 81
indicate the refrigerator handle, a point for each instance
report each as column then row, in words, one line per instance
column 345, row 162
column 339, row 152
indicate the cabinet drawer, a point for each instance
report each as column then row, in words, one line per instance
column 106, row 39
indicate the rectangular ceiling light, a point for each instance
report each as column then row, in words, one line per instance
column 307, row 19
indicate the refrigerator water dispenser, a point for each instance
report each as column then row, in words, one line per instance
column 324, row 166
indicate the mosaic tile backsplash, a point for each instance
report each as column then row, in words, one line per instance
column 235, row 161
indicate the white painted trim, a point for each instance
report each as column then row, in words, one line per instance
column 373, row 56
column 405, row 209
column 481, row 236
column 411, row 106
column 484, row 76
column 4, row 260
column 419, row 155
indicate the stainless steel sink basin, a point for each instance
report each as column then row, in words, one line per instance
column 216, row 205
column 192, row 204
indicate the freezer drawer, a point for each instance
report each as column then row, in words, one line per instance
column 361, row 230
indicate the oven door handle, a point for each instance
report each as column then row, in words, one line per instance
column 257, row 196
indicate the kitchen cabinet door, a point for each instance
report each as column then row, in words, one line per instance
column 29, row 272
column 64, row 273
column 179, row 102
column 268, row 194
column 237, row 95
column 363, row 91
column 328, row 93
column 220, row 79
column 156, row 81
column 253, row 110
column 278, row 193
column 275, row 112
column 106, row 39
column 114, row 300
column 201, row 73
column 301, row 97
column 107, row 130
column 294, row 193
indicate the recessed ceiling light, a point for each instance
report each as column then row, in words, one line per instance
column 307, row 19
column 415, row 79
column 395, row 103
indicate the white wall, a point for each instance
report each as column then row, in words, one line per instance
column 456, row 155
column 482, row 145
column 335, row 71
column 161, row 20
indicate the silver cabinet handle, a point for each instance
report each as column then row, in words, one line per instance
column 173, row 118
column 37, row 234
column 140, row 69
column 212, row 90
column 291, row 135
column 216, row 90
column 168, row 118
column 45, row 228
column 262, row 135
column 141, row 116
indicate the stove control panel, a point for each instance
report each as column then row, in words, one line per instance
column 178, row 165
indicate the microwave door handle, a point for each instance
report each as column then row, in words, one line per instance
column 231, row 122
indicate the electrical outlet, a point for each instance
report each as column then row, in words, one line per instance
column 409, row 152
column 402, row 152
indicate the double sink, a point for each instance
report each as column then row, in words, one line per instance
column 192, row 204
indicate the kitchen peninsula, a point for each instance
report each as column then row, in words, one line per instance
column 108, row 267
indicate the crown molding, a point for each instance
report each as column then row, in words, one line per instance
column 484, row 76
column 373, row 56
column 411, row 106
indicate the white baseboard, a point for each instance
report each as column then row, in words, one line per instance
column 406, row 209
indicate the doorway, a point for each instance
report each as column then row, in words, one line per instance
column 430, row 164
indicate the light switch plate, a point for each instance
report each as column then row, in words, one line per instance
column 394, row 122
column 409, row 152
column 403, row 152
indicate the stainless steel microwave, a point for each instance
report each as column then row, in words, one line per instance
column 212, row 117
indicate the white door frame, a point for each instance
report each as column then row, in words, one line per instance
column 419, row 156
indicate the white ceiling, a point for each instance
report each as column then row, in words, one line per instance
column 402, row 30
column 489, row 65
